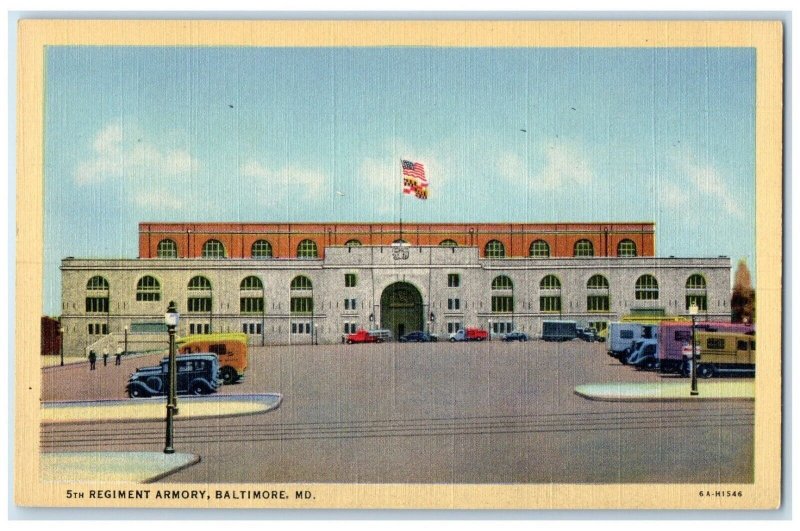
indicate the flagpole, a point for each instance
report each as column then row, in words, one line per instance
column 402, row 182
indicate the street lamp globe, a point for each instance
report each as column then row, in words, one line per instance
column 693, row 309
column 172, row 316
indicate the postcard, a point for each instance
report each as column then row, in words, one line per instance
column 399, row 264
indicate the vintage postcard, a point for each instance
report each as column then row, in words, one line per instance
column 405, row 264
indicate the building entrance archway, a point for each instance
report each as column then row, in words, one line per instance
column 401, row 309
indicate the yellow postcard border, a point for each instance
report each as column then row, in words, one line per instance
column 766, row 37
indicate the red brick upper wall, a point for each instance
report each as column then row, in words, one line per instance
column 284, row 238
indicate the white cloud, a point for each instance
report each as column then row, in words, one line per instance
column 271, row 185
column 709, row 181
column 564, row 166
column 120, row 154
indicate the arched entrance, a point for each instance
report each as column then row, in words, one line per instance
column 401, row 309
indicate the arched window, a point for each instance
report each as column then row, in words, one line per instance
column 249, row 302
column 502, row 282
column 550, row 282
column 199, row 302
column 97, row 302
column 213, row 249
column 199, row 283
column 626, row 248
column 307, row 249
column 583, row 248
column 167, row 249
column 448, row 243
column 646, row 288
column 352, row 243
column 300, row 282
column 550, row 298
column 539, row 249
column 301, row 304
column 696, row 282
column 251, row 282
column 148, row 289
column 400, row 241
column 261, row 249
column 97, row 283
column 696, row 292
column 494, row 249
column 597, row 300
column 597, row 282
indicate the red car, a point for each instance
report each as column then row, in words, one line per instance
column 362, row 336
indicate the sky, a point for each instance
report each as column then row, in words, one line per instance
column 137, row 134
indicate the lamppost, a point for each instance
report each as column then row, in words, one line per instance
column 371, row 321
column 432, row 323
column 316, row 334
column 171, row 319
column 61, row 343
column 490, row 329
column 125, row 351
column 693, row 309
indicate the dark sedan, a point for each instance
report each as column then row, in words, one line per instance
column 416, row 337
column 515, row 336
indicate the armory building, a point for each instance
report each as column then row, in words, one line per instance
column 296, row 283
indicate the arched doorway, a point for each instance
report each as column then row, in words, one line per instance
column 401, row 309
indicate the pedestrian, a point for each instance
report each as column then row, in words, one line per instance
column 92, row 359
column 105, row 356
column 118, row 359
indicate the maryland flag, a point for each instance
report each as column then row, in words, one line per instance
column 414, row 181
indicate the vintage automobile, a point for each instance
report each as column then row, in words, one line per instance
column 515, row 336
column 197, row 374
column 417, row 337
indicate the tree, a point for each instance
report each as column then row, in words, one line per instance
column 743, row 298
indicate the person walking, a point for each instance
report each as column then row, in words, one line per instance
column 118, row 359
column 92, row 359
column 105, row 356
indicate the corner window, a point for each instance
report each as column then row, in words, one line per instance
column 350, row 280
column 453, row 280
column 167, row 249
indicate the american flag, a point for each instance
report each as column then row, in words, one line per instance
column 414, row 180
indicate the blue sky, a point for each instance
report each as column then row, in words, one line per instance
column 272, row 134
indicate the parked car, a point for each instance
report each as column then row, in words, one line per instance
column 470, row 334
column 587, row 334
column 416, row 337
column 198, row 374
column 363, row 336
column 515, row 336
column 382, row 334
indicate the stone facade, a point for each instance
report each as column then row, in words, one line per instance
column 426, row 296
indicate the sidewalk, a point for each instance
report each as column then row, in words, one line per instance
column 146, row 409
column 142, row 467
column 667, row 391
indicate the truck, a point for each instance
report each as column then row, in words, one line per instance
column 672, row 336
column 559, row 330
column 197, row 374
column 231, row 348
column 363, row 336
column 621, row 336
column 469, row 334
column 719, row 352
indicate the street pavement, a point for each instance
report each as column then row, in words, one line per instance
column 488, row 412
